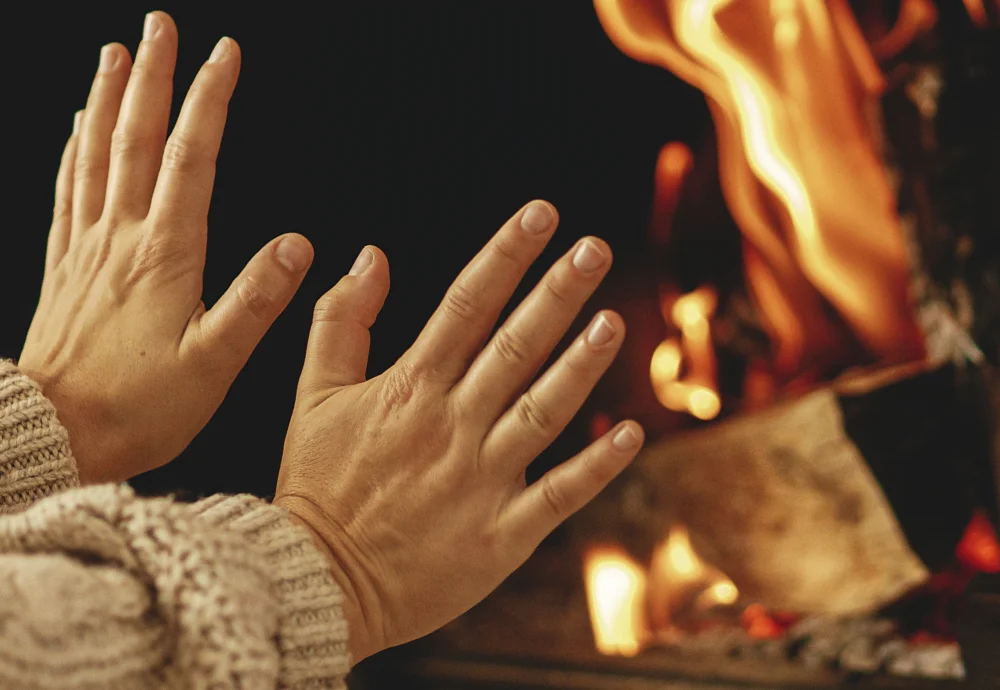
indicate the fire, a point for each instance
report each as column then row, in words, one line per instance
column 696, row 392
column 629, row 605
column 791, row 85
column 681, row 584
column 616, row 588
column 672, row 166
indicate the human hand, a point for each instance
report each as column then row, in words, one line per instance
column 121, row 341
column 413, row 481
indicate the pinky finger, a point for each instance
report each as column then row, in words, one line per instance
column 562, row 491
column 62, row 212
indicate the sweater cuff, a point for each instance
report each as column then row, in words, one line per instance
column 35, row 457
column 313, row 634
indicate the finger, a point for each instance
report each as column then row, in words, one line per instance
column 526, row 339
column 183, row 189
column 462, row 322
column 137, row 140
column 337, row 354
column 62, row 211
column 539, row 509
column 538, row 416
column 230, row 331
column 90, row 177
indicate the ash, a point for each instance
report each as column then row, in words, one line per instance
column 856, row 645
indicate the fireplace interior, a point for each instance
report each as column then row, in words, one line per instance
column 813, row 341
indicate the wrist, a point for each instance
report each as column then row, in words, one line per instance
column 361, row 643
column 89, row 442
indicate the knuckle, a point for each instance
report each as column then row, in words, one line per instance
column 533, row 415
column 399, row 386
column 151, row 255
column 255, row 298
column 558, row 290
column 461, row 303
column 500, row 249
column 328, row 308
column 596, row 473
column 131, row 144
column 511, row 347
column 183, row 155
column 89, row 167
column 62, row 211
column 556, row 500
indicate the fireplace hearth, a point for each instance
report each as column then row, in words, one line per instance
column 816, row 369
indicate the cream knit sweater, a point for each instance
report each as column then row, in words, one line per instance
column 102, row 589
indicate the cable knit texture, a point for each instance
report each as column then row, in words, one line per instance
column 102, row 589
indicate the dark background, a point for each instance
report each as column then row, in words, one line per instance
column 416, row 126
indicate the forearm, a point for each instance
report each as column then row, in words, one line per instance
column 35, row 456
column 101, row 588
column 104, row 589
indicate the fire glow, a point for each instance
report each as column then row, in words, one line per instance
column 616, row 588
column 790, row 86
column 630, row 606
column 696, row 393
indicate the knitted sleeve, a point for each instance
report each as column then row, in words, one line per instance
column 35, row 459
column 102, row 589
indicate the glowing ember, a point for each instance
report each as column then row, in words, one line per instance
column 616, row 588
column 979, row 548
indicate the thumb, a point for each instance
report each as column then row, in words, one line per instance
column 232, row 328
column 337, row 354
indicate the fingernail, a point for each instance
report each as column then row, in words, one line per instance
column 601, row 331
column 362, row 263
column 588, row 258
column 150, row 27
column 109, row 58
column 626, row 438
column 77, row 118
column 220, row 51
column 536, row 219
column 293, row 254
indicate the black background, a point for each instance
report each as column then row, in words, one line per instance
column 416, row 126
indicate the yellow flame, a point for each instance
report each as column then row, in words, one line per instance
column 695, row 393
column 679, row 580
column 791, row 85
column 616, row 588
column 724, row 593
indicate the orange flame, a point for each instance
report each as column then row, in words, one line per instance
column 790, row 86
column 977, row 12
column 627, row 605
column 616, row 589
column 696, row 392
column 680, row 582
column 672, row 166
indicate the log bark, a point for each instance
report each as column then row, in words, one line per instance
column 783, row 502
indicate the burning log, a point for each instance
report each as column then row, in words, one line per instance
column 842, row 499
column 837, row 502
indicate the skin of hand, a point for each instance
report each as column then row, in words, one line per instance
column 121, row 341
column 413, row 482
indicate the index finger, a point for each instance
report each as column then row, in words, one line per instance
column 187, row 172
column 460, row 325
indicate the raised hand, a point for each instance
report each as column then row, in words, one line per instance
column 413, row 481
column 121, row 341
